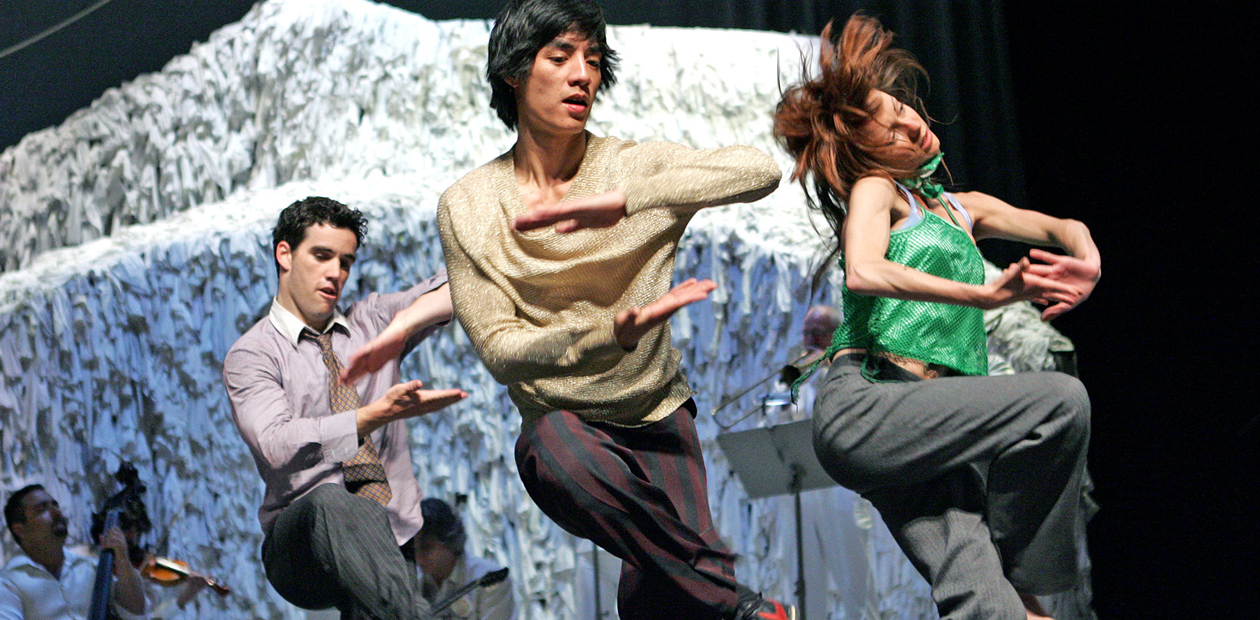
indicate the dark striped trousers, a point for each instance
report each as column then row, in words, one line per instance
column 330, row 548
column 641, row 494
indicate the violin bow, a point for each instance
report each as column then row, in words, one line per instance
column 485, row 580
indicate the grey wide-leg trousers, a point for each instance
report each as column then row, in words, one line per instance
column 331, row 548
column 978, row 478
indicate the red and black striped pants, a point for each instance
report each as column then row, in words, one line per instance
column 641, row 494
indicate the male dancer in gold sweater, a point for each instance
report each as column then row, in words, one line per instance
column 573, row 318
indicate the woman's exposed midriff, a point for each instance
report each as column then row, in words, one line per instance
column 921, row 369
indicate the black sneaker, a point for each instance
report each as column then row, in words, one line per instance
column 765, row 609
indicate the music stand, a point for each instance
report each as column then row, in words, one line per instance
column 776, row 461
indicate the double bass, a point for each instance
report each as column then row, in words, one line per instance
column 114, row 507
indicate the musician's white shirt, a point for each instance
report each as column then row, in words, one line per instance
column 488, row 603
column 29, row 592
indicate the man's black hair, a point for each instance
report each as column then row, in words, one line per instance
column 310, row 211
column 13, row 512
column 442, row 524
column 526, row 26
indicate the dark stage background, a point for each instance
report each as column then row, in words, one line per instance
column 1133, row 121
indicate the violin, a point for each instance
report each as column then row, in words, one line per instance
column 169, row 572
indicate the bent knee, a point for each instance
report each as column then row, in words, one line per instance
column 1073, row 402
column 326, row 501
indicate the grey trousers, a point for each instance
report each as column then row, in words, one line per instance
column 331, row 548
column 978, row 478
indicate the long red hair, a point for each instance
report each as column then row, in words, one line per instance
column 818, row 120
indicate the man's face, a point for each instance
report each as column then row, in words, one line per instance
column 434, row 558
column 44, row 526
column 561, row 88
column 313, row 274
column 818, row 329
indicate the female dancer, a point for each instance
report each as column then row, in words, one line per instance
column 978, row 477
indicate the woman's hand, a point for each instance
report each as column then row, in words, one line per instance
column 1018, row 283
column 632, row 323
column 599, row 211
column 1076, row 273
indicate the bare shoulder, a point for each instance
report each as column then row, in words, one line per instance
column 875, row 183
column 980, row 200
column 876, row 192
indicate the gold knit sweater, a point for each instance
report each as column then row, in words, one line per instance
column 539, row 305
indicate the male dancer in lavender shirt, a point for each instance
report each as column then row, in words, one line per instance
column 333, row 536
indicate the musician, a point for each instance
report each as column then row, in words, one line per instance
column 49, row 581
column 820, row 322
column 165, row 600
column 445, row 567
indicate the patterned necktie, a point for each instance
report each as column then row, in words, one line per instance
column 364, row 474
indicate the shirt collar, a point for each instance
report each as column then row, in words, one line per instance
column 22, row 560
column 291, row 327
column 19, row 560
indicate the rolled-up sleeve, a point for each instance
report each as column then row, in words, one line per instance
column 286, row 442
column 388, row 306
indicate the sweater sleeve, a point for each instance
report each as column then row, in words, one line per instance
column 512, row 348
column 664, row 174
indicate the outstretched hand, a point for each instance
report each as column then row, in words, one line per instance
column 405, row 400
column 410, row 399
column 1073, row 272
column 599, row 211
column 632, row 323
column 373, row 356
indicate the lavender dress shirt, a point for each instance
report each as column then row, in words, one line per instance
column 278, row 387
